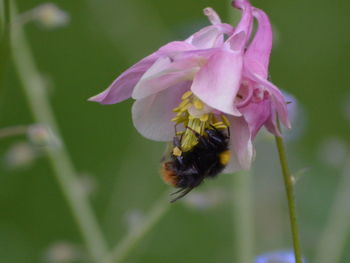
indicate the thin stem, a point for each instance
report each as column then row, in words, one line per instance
column 334, row 237
column 289, row 186
column 63, row 168
column 4, row 36
column 13, row 131
column 243, row 225
column 125, row 246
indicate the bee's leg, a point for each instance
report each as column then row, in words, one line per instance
column 178, row 191
column 175, row 128
column 177, row 142
column 195, row 132
column 213, row 127
column 185, row 191
column 201, row 139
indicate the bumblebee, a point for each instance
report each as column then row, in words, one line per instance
column 187, row 169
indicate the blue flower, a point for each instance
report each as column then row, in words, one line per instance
column 277, row 257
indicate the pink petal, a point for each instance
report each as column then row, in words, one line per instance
column 207, row 37
column 244, row 27
column 271, row 125
column 169, row 71
column 210, row 36
column 152, row 115
column 256, row 114
column 121, row 88
column 241, row 147
column 218, row 81
column 277, row 98
column 257, row 55
column 212, row 15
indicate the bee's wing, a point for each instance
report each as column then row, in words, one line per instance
column 167, row 152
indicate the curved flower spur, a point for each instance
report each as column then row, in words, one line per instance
column 208, row 95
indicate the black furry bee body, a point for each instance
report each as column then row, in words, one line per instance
column 205, row 160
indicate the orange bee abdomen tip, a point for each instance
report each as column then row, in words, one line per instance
column 168, row 174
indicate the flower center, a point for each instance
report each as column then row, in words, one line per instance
column 196, row 117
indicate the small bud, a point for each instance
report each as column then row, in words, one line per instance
column 20, row 155
column 50, row 16
column 39, row 135
column 60, row 252
column 293, row 179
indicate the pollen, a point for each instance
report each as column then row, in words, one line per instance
column 225, row 157
column 204, row 117
column 186, row 95
column 196, row 117
column 198, row 104
column 225, row 120
column 177, row 151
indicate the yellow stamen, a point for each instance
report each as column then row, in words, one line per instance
column 194, row 125
column 204, row 117
column 225, row 120
column 186, row 95
column 198, row 104
column 177, row 109
column 183, row 105
column 177, row 151
column 220, row 127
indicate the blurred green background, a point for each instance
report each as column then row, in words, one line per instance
column 119, row 169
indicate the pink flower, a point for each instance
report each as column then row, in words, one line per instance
column 206, row 81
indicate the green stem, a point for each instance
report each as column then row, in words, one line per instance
column 336, row 233
column 13, row 131
column 125, row 246
column 289, row 186
column 40, row 107
column 4, row 36
column 243, row 225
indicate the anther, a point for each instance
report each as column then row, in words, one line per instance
column 186, row 95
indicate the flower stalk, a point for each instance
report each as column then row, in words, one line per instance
column 333, row 239
column 13, row 131
column 289, row 187
column 125, row 246
column 242, row 210
column 40, row 107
